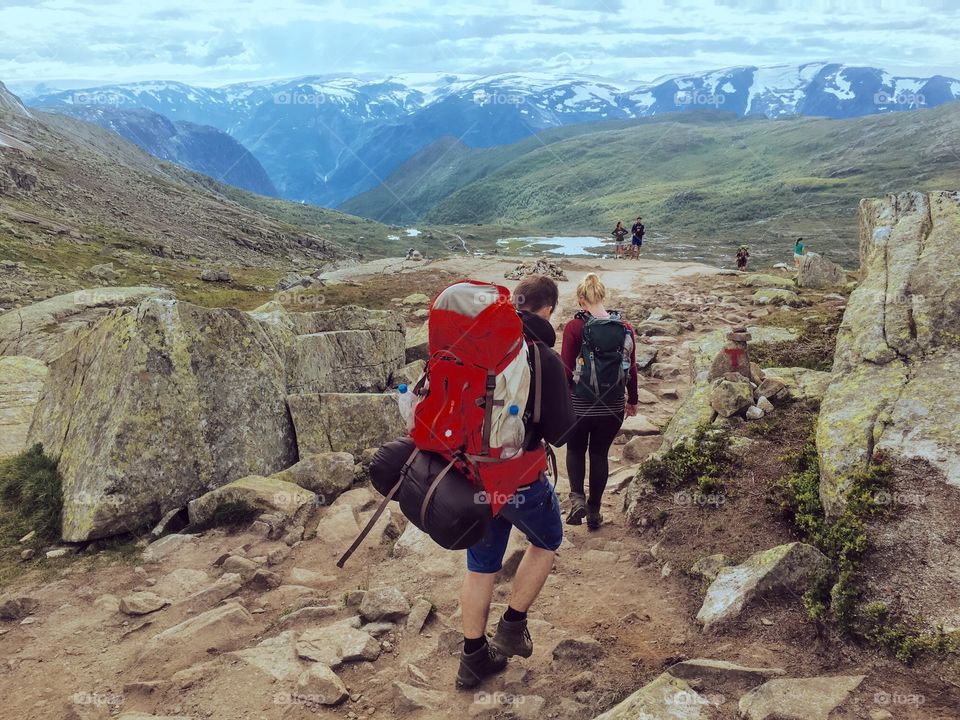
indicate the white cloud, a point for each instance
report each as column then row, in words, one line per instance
column 219, row 41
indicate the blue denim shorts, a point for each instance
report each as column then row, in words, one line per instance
column 535, row 511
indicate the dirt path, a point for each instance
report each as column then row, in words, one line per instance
column 80, row 658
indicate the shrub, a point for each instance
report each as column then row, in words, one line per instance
column 703, row 457
column 32, row 494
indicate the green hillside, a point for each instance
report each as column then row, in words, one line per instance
column 702, row 183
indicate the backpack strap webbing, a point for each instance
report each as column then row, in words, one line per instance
column 431, row 490
column 537, row 383
column 488, row 411
column 379, row 511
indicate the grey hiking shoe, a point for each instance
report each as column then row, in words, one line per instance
column 479, row 664
column 513, row 638
column 594, row 519
column 578, row 509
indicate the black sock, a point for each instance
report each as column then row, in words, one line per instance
column 471, row 645
column 512, row 615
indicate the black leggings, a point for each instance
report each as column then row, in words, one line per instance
column 595, row 434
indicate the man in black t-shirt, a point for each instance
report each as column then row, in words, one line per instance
column 637, row 240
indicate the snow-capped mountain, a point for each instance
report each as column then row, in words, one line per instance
column 324, row 139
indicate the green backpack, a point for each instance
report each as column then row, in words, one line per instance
column 600, row 374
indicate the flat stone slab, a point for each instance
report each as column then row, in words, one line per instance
column 665, row 698
column 798, row 698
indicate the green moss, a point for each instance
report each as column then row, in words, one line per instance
column 700, row 461
column 812, row 349
column 31, row 493
column 836, row 597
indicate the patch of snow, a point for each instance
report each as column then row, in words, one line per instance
column 393, row 237
column 412, row 232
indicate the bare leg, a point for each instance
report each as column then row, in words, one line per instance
column 534, row 569
column 475, row 602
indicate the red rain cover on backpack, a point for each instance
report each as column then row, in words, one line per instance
column 475, row 335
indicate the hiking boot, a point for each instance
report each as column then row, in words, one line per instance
column 513, row 638
column 594, row 519
column 578, row 509
column 478, row 665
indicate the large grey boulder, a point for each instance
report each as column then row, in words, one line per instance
column 798, row 698
column 894, row 375
column 817, row 272
column 328, row 474
column 664, row 698
column 790, row 568
column 21, row 382
column 345, row 422
column 43, row 330
column 266, row 494
column 157, row 404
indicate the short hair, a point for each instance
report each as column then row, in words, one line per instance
column 536, row 292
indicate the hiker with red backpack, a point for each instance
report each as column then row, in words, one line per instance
column 599, row 355
column 475, row 463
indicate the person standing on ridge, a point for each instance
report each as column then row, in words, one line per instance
column 619, row 234
column 599, row 355
column 534, row 509
column 799, row 249
column 637, row 240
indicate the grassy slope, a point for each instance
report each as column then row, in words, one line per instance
column 711, row 184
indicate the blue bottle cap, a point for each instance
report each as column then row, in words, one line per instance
column 402, row 388
column 514, row 410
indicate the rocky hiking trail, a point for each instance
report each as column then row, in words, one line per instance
column 258, row 622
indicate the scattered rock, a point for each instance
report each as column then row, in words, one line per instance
column 418, row 615
column 293, row 280
column 817, row 272
column 798, row 698
column 337, row 644
column 730, row 398
column 408, row 699
column 765, row 405
column 753, row 413
column 328, row 474
column 386, row 603
column 775, row 296
column 416, row 299
column 786, row 568
column 267, row 494
column 581, row 649
column 319, row 685
column 640, row 448
column 165, row 546
column 665, row 698
column 541, row 266
column 214, row 275
column 142, row 603
column 17, row 607
column 104, row 272
column 638, row 425
column 217, row 628
column 722, row 675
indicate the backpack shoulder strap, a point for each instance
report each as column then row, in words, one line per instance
column 537, row 383
column 379, row 511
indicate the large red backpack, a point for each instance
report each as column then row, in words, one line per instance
column 478, row 368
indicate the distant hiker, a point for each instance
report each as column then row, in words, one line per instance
column 636, row 241
column 534, row 508
column 619, row 234
column 799, row 249
column 743, row 257
column 599, row 355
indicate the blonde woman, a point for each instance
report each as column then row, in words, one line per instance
column 599, row 355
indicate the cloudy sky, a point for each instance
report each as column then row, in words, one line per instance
column 212, row 42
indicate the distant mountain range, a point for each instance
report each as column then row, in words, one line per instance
column 326, row 139
column 202, row 148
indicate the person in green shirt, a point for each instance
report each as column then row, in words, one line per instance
column 798, row 251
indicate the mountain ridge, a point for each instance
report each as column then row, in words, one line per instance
column 325, row 139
